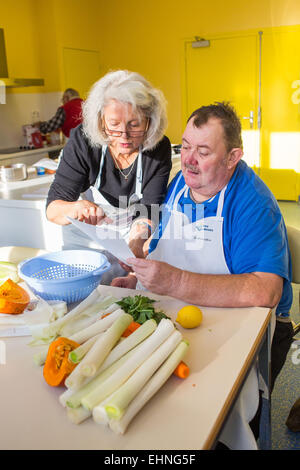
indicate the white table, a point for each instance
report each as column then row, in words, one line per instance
column 184, row 414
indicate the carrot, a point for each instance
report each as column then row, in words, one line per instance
column 103, row 316
column 182, row 370
column 131, row 328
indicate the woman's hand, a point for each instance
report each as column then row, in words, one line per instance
column 89, row 212
column 128, row 282
column 82, row 210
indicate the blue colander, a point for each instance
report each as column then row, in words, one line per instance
column 69, row 275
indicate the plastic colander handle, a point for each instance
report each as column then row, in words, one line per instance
column 102, row 268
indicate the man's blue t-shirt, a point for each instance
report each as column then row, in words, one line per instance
column 254, row 233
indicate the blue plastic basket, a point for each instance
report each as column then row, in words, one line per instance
column 69, row 275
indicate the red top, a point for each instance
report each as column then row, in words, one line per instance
column 73, row 115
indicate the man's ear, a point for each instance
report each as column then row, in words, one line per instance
column 234, row 157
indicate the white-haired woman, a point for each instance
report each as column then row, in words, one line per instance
column 118, row 155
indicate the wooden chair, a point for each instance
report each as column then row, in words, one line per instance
column 294, row 243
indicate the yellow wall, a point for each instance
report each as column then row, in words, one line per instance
column 36, row 31
column 148, row 36
column 19, row 22
column 138, row 35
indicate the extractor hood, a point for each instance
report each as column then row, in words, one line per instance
column 11, row 82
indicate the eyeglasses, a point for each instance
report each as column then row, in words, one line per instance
column 115, row 133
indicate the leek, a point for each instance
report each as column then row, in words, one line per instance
column 97, row 327
column 40, row 358
column 99, row 351
column 111, row 308
column 78, row 415
column 151, row 387
column 63, row 398
column 129, row 343
column 126, row 393
column 8, row 270
column 99, row 413
column 54, row 328
column 87, row 317
column 142, row 351
column 77, row 354
column 60, row 308
column 74, row 400
column 97, row 354
column 40, row 314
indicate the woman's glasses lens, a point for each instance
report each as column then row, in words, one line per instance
column 115, row 133
column 119, row 133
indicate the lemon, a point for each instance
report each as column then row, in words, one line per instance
column 189, row 316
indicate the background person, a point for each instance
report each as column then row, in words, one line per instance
column 67, row 116
column 232, row 253
column 118, row 155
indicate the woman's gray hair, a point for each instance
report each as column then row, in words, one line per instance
column 126, row 87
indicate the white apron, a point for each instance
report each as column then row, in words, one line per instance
column 74, row 239
column 198, row 247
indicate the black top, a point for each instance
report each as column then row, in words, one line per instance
column 80, row 164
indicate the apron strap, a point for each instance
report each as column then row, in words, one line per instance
column 139, row 176
column 174, row 199
column 98, row 179
column 139, row 172
column 221, row 202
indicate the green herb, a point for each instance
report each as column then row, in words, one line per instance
column 141, row 308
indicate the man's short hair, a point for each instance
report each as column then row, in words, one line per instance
column 229, row 120
column 71, row 92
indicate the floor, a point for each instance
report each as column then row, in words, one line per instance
column 287, row 386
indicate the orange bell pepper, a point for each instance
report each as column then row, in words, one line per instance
column 13, row 298
column 57, row 365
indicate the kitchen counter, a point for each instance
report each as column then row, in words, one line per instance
column 31, row 192
column 27, row 156
column 22, row 212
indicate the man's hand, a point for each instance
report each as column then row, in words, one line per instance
column 128, row 282
column 138, row 235
column 125, row 266
column 156, row 276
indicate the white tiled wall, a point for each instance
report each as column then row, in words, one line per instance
column 18, row 110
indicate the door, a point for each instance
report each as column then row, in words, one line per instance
column 259, row 73
column 226, row 70
column 280, row 135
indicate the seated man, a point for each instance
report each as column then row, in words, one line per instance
column 221, row 240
